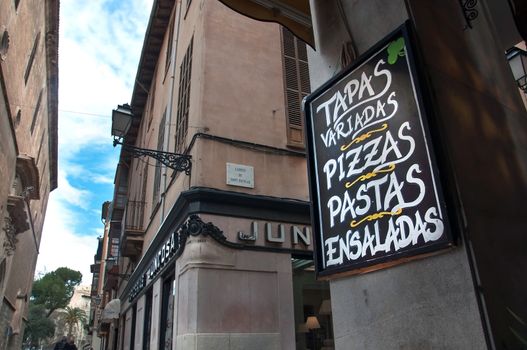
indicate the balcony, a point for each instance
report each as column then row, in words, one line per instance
column 133, row 233
column 94, row 268
column 112, row 274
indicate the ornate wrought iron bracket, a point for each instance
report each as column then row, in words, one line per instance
column 176, row 161
column 195, row 227
column 469, row 11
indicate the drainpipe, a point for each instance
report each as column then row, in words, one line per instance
column 168, row 119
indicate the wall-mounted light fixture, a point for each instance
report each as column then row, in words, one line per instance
column 122, row 118
column 518, row 61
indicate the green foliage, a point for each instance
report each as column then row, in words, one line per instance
column 72, row 316
column 55, row 289
column 38, row 326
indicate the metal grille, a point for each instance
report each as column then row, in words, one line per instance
column 134, row 216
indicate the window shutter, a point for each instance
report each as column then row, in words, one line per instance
column 145, row 183
column 183, row 99
column 169, row 43
column 297, row 85
column 157, row 176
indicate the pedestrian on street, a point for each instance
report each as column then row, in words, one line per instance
column 61, row 345
column 70, row 345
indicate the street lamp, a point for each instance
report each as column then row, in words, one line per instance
column 518, row 61
column 122, row 119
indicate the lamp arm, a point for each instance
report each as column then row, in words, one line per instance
column 176, row 161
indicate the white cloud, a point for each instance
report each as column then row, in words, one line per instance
column 101, row 173
column 61, row 246
column 99, row 47
column 69, row 194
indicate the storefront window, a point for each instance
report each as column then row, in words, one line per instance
column 313, row 324
column 132, row 331
column 148, row 320
column 167, row 314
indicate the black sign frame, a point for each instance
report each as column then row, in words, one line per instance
column 443, row 199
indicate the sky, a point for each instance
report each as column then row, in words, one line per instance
column 99, row 48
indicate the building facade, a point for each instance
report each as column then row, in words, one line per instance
column 469, row 296
column 208, row 261
column 28, row 149
column 81, row 299
column 218, row 251
column 104, row 287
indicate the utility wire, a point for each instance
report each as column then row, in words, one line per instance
column 64, row 110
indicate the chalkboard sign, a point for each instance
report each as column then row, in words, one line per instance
column 377, row 198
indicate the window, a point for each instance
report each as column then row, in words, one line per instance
column 114, row 248
column 169, row 44
column 31, row 57
column 4, row 45
column 312, row 305
column 157, row 176
column 187, row 7
column 18, row 118
column 147, row 322
column 2, row 274
column 167, row 314
column 150, row 105
column 145, row 183
column 132, row 331
column 296, row 83
column 40, row 145
column 35, row 112
column 183, row 99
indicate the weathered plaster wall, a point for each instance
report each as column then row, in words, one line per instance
column 425, row 304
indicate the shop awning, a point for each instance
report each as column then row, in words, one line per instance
column 111, row 310
column 295, row 15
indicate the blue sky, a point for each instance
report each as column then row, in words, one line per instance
column 99, row 48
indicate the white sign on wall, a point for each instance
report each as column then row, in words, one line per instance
column 240, row 175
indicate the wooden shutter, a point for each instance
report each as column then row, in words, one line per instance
column 183, row 99
column 157, row 176
column 169, row 43
column 297, row 85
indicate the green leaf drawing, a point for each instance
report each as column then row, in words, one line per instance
column 395, row 50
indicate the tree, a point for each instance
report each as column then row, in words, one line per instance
column 38, row 327
column 54, row 290
column 73, row 316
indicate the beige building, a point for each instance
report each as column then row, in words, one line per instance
column 81, row 299
column 28, row 149
column 103, row 288
column 218, row 251
column 217, row 255
column 468, row 296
